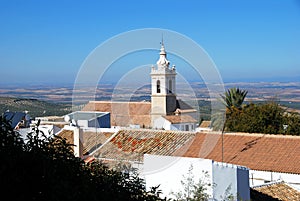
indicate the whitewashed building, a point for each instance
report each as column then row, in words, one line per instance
column 221, row 179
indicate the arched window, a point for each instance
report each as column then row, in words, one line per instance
column 158, row 86
column 170, row 86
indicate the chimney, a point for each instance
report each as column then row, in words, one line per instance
column 78, row 141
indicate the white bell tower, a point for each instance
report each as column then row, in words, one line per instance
column 163, row 78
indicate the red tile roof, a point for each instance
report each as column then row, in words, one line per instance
column 68, row 135
column 278, row 191
column 132, row 144
column 89, row 140
column 176, row 119
column 126, row 113
column 93, row 140
column 277, row 153
column 205, row 124
column 123, row 113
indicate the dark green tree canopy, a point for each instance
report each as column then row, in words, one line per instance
column 268, row 118
column 46, row 169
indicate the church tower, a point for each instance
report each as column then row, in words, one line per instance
column 163, row 78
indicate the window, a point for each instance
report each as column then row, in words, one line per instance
column 170, row 86
column 158, row 86
column 186, row 127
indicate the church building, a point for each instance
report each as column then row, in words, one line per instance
column 164, row 112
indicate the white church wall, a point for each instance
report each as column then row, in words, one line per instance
column 162, row 123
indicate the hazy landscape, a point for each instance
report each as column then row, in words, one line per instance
column 257, row 91
column 57, row 100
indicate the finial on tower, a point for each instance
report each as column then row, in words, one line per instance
column 162, row 39
column 162, row 48
column 162, row 62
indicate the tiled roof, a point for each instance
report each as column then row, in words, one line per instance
column 68, row 135
column 123, row 113
column 277, row 153
column 205, row 124
column 126, row 113
column 183, row 105
column 258, row 196
column 93, row 140
column 132, row 144
column 14, row 118
column 90, row 141
column 278, row 191
column 175, row 119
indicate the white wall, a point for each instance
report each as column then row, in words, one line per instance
column 260, row 177
column 83, row 123
column 161, row 122
column 93, row 129
column 168, row 172
column 231, row 180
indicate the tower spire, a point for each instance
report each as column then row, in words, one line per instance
column 162, row 62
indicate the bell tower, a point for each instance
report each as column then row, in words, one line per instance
column 163, row 95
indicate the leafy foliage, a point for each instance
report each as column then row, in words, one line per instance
column 234, row 98
column 46, row 169
column 193, row 191
column 267, row 118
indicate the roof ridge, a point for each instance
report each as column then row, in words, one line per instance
column 107, row 141
column 263, row 135
column 140, row 102
column 156, row 131
column 279, row 181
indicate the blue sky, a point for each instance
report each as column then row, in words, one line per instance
column 47, row 41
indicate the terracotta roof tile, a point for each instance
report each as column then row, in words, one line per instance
column 258, row 196
column 132, row 144
column 205, row 124
column 93, row 140
column 68, row 135
column 275, row 153
column 278, row 191
column 123, row 113
column 175, row 119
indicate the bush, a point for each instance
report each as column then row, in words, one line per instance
column 46, row 169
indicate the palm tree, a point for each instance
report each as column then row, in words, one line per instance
column 234, row 98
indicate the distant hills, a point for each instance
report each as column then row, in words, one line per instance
column 48, row 100
column 34, row 107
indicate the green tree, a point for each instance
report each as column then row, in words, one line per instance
column 268, row 118
column 291, row 123
column 46, row 169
